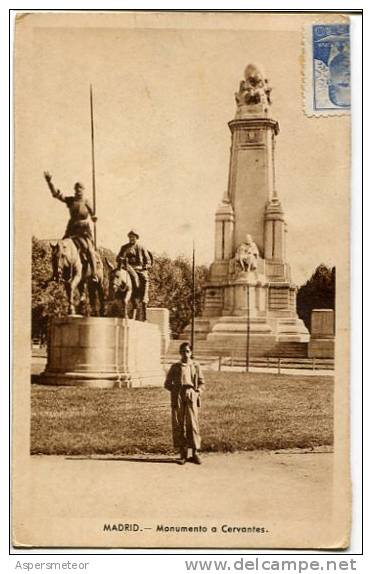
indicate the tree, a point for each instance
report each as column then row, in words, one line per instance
column 317, row 293
column 48, row 297
column 171, row 287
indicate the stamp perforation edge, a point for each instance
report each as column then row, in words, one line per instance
column 308, row 72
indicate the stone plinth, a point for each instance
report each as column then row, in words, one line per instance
column 322, row 340
column 160, row 317
column 322, row 323
column 229, row 331
column 103, row 352
column 321, row 349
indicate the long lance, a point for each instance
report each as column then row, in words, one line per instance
column 193, row 300
column 93, row 165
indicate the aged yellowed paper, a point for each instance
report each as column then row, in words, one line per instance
column 229, row 133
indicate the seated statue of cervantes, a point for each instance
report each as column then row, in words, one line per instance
column 246, row 255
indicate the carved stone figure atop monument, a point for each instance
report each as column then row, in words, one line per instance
column 251, row 206
column 254, row 89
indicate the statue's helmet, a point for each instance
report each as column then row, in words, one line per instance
column 79, row 188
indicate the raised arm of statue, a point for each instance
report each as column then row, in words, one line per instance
column 55, row 192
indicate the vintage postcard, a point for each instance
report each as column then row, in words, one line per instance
column 181, row 280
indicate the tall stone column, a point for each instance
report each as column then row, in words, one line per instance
column 251, row 175
column 250, row 270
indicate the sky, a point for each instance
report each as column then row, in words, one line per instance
column 162, row 98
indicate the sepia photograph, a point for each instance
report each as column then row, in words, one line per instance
column 181, row 280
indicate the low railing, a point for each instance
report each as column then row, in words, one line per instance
column 276, row 364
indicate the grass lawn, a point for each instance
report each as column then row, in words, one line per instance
column 239, row 412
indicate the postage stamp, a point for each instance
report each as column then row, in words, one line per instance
column 327, row 69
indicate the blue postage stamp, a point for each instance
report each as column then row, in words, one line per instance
column 329, row 69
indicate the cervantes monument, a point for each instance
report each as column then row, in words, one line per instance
column 250, row 266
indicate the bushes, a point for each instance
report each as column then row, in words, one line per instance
column 317, row 293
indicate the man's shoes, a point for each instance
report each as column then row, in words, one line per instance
column 196, row 458
column 183, row 456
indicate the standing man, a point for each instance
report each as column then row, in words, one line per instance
column 79, row 224
column 139, row 261
column 185, row 382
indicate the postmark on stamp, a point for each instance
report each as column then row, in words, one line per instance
column 327, row 69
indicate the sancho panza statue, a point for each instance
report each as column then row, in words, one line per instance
column 137, row 260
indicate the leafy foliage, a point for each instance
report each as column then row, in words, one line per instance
column 171, row 287
column 317, row 293
column 48, row 297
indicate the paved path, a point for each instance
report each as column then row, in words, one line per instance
column 67, row 501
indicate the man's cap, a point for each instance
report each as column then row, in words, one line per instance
column 78, row 185
column 133, row 232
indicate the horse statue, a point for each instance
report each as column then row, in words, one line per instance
column 123, row 288
column 75, row 272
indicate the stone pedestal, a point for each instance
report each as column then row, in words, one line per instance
column 321, row 349
column 322, row 340
column 160, row 316
column 103, row 352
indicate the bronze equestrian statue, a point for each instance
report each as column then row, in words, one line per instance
column 74, row 258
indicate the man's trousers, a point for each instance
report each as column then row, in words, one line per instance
column 185, row 423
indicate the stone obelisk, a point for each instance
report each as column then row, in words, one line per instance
column 250, row 266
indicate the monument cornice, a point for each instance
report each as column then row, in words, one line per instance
column 254, row 123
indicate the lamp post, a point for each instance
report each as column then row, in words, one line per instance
column 247, row 349
column 193, row 299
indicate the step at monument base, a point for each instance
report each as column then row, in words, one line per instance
column 291, row 329
column 207, row 349
column 227, row 335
